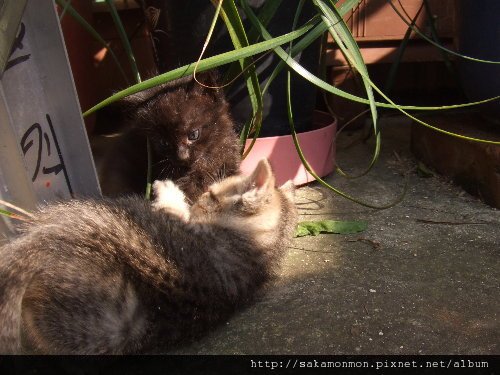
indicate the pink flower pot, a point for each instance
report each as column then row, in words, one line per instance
column 317, row 146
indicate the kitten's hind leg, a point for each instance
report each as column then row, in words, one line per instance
column 171, row 199
column 87, row 311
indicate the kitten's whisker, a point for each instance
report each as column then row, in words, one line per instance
column 162, row 173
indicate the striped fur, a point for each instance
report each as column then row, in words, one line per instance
column 124, row 276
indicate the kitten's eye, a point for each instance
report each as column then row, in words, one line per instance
column 194, row 135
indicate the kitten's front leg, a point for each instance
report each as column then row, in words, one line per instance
column 171, row 199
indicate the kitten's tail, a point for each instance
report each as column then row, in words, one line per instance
column 15, row 275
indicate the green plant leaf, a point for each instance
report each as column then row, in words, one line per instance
column 304, row 73
column 299, row 69
column 6, row 213
column 297, row 145
column 83, row 22
column 344, row 39
column 417, row 31
column 347, row 6
column 137, row 76
column 12, row 215
column 269, row 43
column 303, row 43
column 307, row 40
column 313, row 228
column 435, row 36
column 239, row 38
column 266, row 13
column 399, row 53
column 308, row 167
column 124, row 39
column 63, row 12
column 205, row 64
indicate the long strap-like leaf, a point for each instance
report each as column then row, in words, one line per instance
column 315, row 175
column 299, row 69
column 205, row 64
column 124, row 39
column 417, row 31
column 239, row 38
column 344, row 39
column 83, row 22
column 135, row 70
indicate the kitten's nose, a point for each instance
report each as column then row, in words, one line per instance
column 183, row 153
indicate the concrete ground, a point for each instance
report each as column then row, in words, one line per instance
column 424, row 278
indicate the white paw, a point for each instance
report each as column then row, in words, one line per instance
column 167, row 190
column 170, row 198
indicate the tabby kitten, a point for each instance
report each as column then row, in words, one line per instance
column 130, row 276
column 192, row 138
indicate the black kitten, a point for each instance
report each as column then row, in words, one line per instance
column 191, row 133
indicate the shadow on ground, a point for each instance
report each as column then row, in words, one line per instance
column 422, row 279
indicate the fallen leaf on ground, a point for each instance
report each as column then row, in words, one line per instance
column 313, row 228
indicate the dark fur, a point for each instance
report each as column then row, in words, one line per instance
column 167, row 114
column 114, row 276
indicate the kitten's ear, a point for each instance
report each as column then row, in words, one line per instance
column 262, row 176
column 260, row 185
column 210, row 78
column 142, row 96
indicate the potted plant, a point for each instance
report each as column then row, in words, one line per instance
column 255, row 39
column 179, row 31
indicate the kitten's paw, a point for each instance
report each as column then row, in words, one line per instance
column 170, row 198
column 167, row 188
